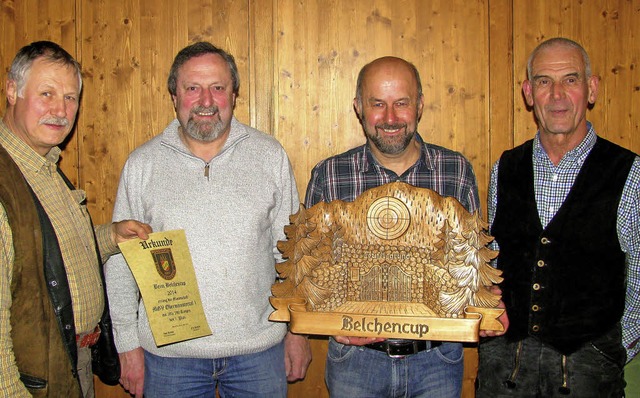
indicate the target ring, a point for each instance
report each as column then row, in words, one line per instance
column 388, row 218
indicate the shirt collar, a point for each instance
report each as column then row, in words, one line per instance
column 25, row 156
column 577, row 154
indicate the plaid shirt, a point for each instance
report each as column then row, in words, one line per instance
column 552, row 185
column 347, row 175
column 71, row 223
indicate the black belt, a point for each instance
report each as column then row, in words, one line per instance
column 397, row 349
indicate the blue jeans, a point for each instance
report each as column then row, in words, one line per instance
column 253, row 375
column 531, row 369
column 354, row 372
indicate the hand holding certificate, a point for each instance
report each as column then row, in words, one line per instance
column 164, row 273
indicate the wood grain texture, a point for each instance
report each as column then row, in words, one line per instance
column 609, row 34
column 127, row 51
column 501, row 92
column 318, row 60
column 26, row 21
column 298, row 62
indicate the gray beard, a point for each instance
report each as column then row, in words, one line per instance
column 204, row 131
column 390, row 148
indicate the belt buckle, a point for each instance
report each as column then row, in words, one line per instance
column 397, row 356
column 394, row 356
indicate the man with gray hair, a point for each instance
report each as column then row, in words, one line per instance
column 53, row 310
column 565, row 212
column 232, row 190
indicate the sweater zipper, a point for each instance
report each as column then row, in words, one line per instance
column 206, row 171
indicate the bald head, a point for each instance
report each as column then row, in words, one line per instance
column 389, row 105
column 386, row 65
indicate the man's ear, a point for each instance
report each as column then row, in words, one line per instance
column 593, row 89
column 11, row 88
column 357, row 108
column 527, row 90
column 420, row 106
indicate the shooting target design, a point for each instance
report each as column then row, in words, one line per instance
column 388, row 218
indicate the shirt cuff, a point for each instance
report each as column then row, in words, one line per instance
column 106, row 245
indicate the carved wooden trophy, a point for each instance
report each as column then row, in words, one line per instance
column 398, row 262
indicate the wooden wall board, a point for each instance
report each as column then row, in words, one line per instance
column 299, row 61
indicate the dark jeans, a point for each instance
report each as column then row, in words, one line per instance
column 532, row 369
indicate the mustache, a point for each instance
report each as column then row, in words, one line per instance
column 54, row 120
column 205, row 109
column 386, row 126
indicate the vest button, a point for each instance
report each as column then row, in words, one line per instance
column 54, row 283
column 535, row 328
column 536, row 286
column 545, row 241
column 541, row 263
column 535, row 308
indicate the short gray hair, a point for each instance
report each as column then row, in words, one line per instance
column 559, row 41
column 47, row 50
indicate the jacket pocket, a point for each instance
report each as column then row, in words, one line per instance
column 32, row 382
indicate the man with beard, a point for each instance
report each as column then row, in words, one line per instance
column 231, row 188
column 389, row 104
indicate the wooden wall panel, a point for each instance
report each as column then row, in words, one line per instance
column 26, row 21
column 318, row 60
column 615, row 46
column 501, row 97
column 609, row 32
column 317, row 63
column 298, row 62
column 111, row 104
column 315, row 82
column 127, row 50
column 260, row 82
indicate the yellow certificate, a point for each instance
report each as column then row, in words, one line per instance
column 164, row 273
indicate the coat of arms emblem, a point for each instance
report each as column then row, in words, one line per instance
column 163, row 259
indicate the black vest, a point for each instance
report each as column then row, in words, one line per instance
column 565, row 284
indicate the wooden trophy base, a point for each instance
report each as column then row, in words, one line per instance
column 399, row 262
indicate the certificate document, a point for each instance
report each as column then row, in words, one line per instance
column 163, row 270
